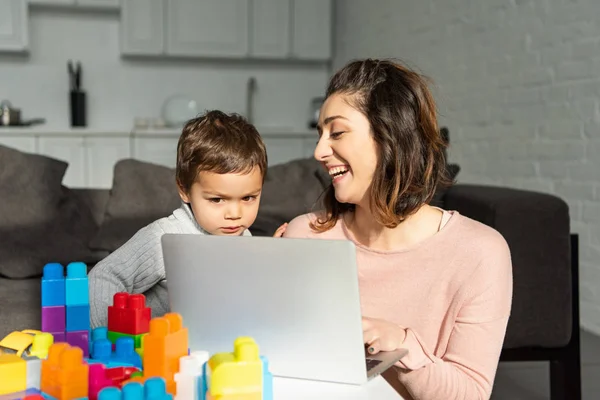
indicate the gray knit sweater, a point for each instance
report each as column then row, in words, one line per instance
column 138, row 267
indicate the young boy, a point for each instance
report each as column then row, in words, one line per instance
column 221, row 165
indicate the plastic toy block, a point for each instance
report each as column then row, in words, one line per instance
column 78, row 318
column 190, row 375
column 153, row 389
column 41, row 344
column 76, row 285
column 34, row 372
column 18, row 342
column 121, row 374
column 129, row 314
column 59, row 337
column 13, row 373
column 34, row 397
column 267, row 380
column 238, row 373
column 124, row 352
column 64, row 374
column 97, row 380
column 31, row 394
column 99, row 333
column 137, row 339
column 53, row 318
column 53, row 285
column 79, row 339
column 166, row 343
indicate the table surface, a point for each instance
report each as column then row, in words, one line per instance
column 298, row 389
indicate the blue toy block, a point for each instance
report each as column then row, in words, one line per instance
column 53, row 285
column 78, row 318
column 153, row 389
column 267, row 380
column 99, row 333
column 76, row 285
column 124, row 354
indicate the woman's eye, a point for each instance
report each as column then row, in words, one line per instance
column 335, row 135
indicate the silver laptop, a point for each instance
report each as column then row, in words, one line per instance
column 298, row 298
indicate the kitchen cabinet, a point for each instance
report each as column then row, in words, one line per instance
column 71, row 150
column 14, row 31
column 23, row 143
column 98, row 4
column 142, row 27
column 312, row 29
column 270, row 29
column 101, row 155
column 211, row 28
column 161, row 150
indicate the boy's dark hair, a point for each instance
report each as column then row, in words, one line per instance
column 220, row 143
column 402, row 113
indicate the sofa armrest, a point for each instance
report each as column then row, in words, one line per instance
column 537, row 229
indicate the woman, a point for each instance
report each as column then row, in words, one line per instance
column 432, row 281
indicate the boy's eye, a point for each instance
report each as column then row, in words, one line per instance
column 249, row 198
column 215, row 200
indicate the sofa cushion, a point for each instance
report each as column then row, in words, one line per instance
column 40, row 220
column 142, row 192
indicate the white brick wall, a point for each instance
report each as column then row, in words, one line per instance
column 518, row 85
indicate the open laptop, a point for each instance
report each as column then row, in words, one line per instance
column 298, row 298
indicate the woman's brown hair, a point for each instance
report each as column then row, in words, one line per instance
column 411, row 160
column 220, row 143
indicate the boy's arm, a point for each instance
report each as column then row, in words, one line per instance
column 135, row 267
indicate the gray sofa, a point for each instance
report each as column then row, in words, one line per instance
column 88, row 224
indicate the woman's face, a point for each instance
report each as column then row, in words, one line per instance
column 346, row 149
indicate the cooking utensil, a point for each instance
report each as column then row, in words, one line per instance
column 10, row 116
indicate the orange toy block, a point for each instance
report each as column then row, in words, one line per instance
column 13, row 374
column 64, row 374
column 164, row 345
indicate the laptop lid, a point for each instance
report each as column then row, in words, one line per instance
column 298, row 298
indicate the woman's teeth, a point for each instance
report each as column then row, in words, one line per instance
column 337, row 171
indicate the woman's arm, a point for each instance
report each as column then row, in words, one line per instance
column 467, row 368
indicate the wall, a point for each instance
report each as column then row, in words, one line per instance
column 518, row 84
column 121, row 89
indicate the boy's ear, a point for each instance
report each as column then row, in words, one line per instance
column 183, row 193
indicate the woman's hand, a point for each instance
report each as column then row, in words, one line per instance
column 281, row 230
column 381, row 335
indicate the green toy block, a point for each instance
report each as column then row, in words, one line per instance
column 137, row 339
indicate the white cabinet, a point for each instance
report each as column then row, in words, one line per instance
column 19, row 142
column 71, row 150
column 14, row 32
column 312, row 29
column 52, row 2
column 270, row 29
column 142, row 27
column 157, row 150
column 101, row 155
column 212, row 28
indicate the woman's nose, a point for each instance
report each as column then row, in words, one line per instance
column 323, row 150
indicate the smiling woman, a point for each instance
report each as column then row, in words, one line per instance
column 432, row 281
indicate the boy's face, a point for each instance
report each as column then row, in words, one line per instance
column 225, row 204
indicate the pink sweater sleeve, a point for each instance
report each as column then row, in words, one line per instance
column 467, row 368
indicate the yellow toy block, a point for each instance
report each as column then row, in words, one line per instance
column 236, row 375
column 41, row 344
column 18, row 342
column 13, row 374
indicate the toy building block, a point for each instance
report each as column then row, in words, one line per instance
column 59, row 337
column 53, row 319
column 76, row 285
column 137, row 339
column 102, row 350
column 41, row 344
column 97, row 380
column 190, row 376
column 34, row 372
column 79, row 339
column 64, row 374
column 153, row 389
column 164, row 345
column 237, row 375
column 13, row 374
column 129, row 314
column 77, row 318
column 267, row 380
column 53, row 285
column 34, row 397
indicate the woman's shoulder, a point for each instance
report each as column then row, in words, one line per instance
column 303, row 226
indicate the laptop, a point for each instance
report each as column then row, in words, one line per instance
column 298, row 298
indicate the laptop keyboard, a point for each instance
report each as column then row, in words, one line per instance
column 371, row 363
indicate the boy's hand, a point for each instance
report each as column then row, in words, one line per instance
column 281, row 230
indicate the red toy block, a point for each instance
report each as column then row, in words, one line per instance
column 129, row 314
column 34, row 397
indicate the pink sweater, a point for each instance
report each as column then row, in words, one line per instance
column 452, row 293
